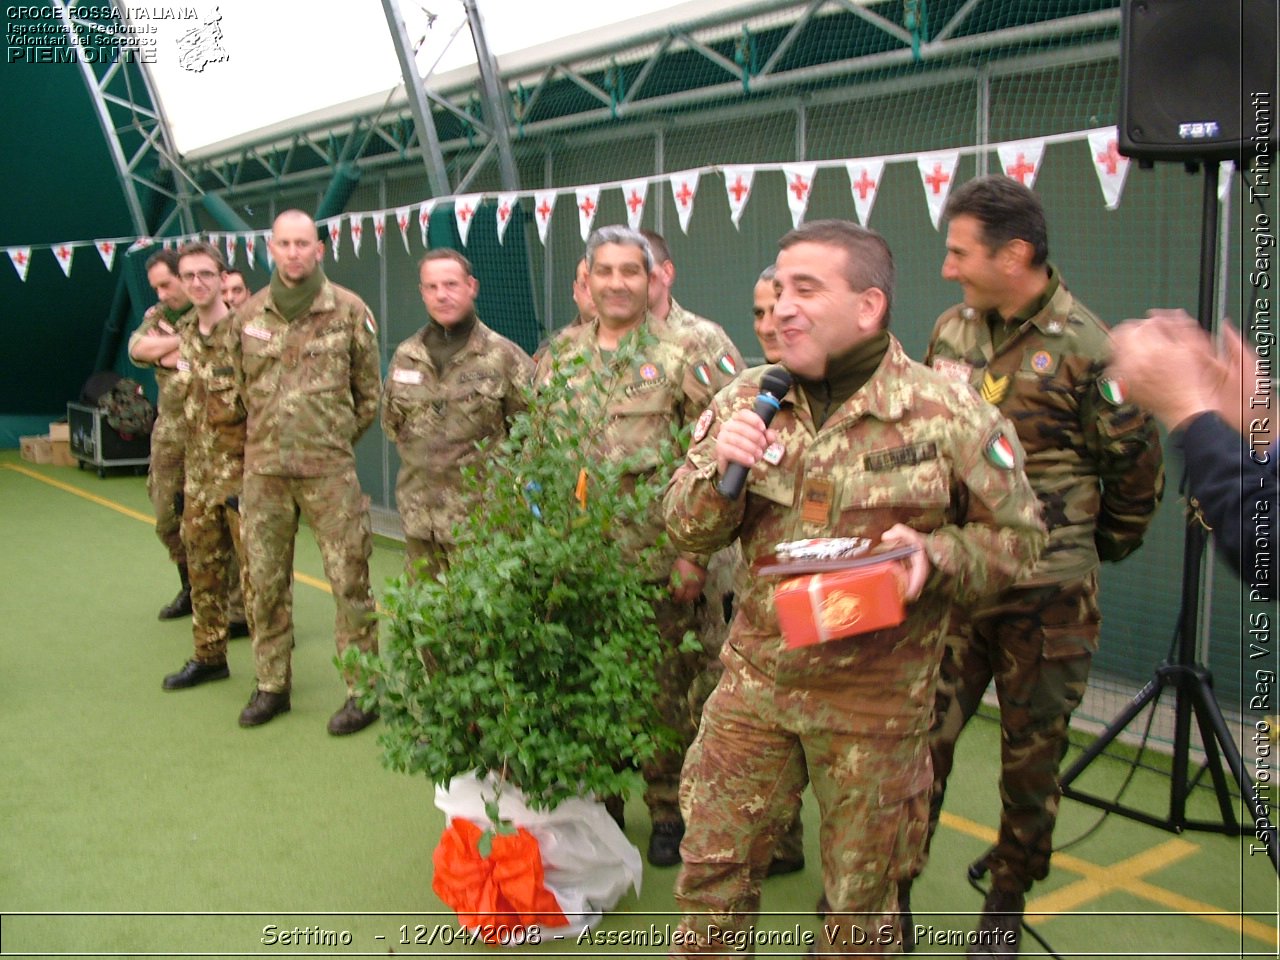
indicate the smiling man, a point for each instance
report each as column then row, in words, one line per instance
column 867, row 444
column 661, row 389
column 450, row 386
column 1038, row 356
column 306, row 357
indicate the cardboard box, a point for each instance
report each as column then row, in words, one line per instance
column 60, row 453
column 60, row 430
column 35, row 449
column 829, row 606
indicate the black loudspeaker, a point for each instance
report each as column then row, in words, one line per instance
column 1198, row 79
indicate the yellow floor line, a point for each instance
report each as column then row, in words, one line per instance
column 1123, row 876
column 145, row 518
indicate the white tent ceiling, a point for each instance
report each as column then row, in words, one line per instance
column 285, row 59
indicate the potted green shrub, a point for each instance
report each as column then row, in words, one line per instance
column 530, row 665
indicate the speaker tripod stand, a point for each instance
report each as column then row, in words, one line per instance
column 1190, row 681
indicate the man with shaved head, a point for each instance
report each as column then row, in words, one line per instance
column 306, row 356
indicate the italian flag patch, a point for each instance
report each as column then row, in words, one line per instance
column 1112, row 391
column 1000, row 451
column 370, row 325
column 703, row 374
column 726, row 364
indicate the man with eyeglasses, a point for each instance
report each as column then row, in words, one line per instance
column 214, row 420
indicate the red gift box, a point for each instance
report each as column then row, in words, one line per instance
column 828, row 606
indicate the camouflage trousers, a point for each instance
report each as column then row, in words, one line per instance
column 338, row 513
column 165, row 477
column 677, row 672
column 1037, row 645
column 741, row 789
column 424, row 559
column 215, row 561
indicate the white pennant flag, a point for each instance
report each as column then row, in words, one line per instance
column 20, row 257
column 737, row 184
column 684, row 187
column 799, row 177
column 402, row 221
column 355, row 224
column 1111, row 167
column 333, row 227
column 214, row 240
column 107, row 251
column 231, row 249
column 864, row 184
column 424, row 218
column 634, row 194
column 588, row 204
column 464, row 212
column 140, row 244
column 266, row 243
column 1021, row 161
column 544, row 201
column 379, row 228
column 936, row 173
column 63, row 253
column 250, row 246
column 1225, row 169
column 507, row 204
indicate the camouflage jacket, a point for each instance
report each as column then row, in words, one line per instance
column 436, row 420
column 1093, row 460
column 171, row 383
column 669, row 384
column 214, row 415
column 310, row 386
column 908, row 447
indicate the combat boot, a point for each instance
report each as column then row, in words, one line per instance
column 1000, row 927
column 664, row 843
column 906, row 922
column 350, row 718
column 194, row 673
column 263, row 706
column 179, row 606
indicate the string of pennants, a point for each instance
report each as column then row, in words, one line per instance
column 1018, row 159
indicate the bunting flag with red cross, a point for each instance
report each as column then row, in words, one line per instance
column 634, row 194
column 379, row 229
column 684, row 187
column 864, row 184
column 63, row 252
column 250, row 245
column 588, row 199
column 424, row 220
column 266, row 243
column 107, row 251
column 799, row 177
column 1021, row 161
column 333, row 227
column 544, row 202
column 20, row 257
column 937, row 170
column 230, row 245
column 737, row 185
column 1111, row 167
column 507, row 203
column 464, row 213
column 403, row 215
column 355, row 224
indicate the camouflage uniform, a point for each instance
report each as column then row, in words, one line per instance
column 168, row 436
column 435, row 420
column 668, row 386
column 1096, row 467
column 849, row 716
column 310, row 388
column 214, row 458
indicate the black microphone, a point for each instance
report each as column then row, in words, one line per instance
column 773, row 387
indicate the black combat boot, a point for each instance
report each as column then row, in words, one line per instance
column 180, row 606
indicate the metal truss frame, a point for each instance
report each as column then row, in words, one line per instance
column 619, row 80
